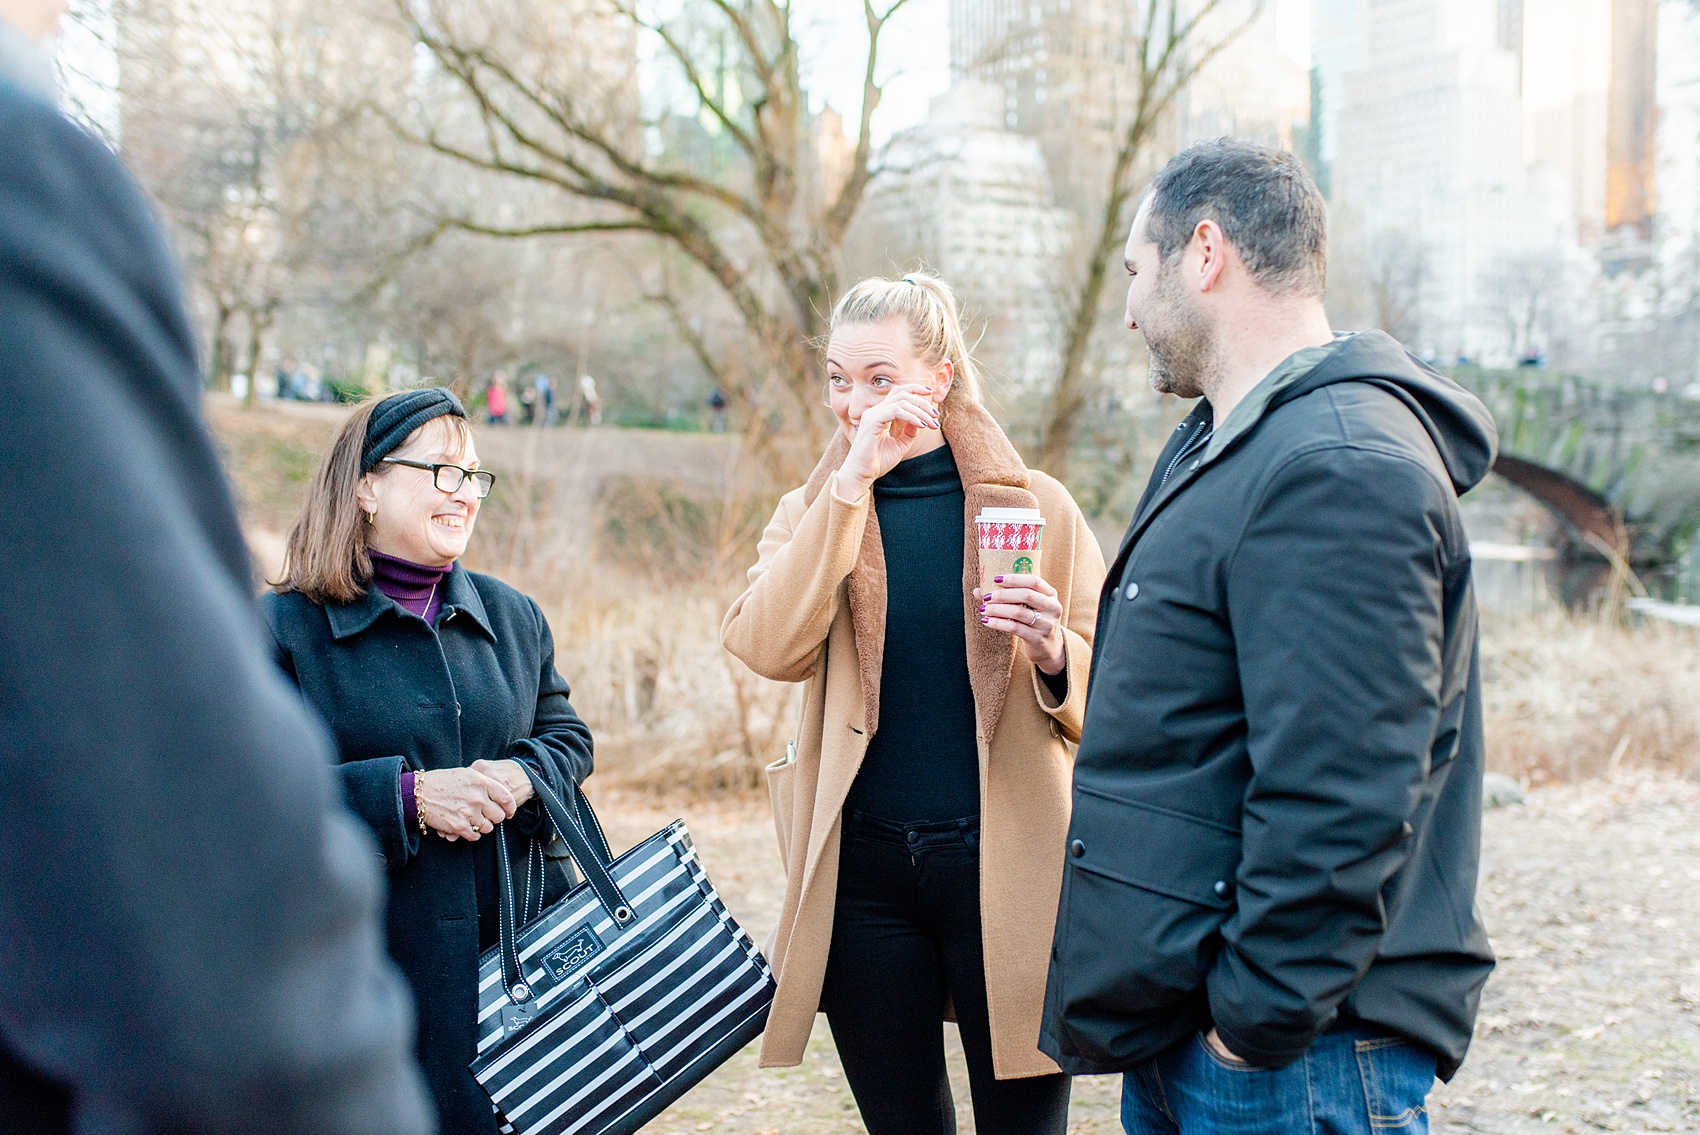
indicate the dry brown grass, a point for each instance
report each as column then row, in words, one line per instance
column 635, row 542
column 1566, row 698
column 672, row 712
column 1570, row 697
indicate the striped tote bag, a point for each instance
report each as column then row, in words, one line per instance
column 617, row 1000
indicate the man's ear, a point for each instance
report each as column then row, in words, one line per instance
column 1210, row 245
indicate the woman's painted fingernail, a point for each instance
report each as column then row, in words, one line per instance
column 985, row 622
column 982, row 608
column 997, row 579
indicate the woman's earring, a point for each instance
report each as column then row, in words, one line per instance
column 371, row 518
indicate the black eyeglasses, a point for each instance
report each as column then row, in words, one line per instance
column 449, row 478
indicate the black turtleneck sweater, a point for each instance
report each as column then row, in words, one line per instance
column 922, row 762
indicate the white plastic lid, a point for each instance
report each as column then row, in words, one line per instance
column 1009, row 516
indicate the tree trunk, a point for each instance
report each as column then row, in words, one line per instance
column 221, row 364
column 1069, row 398
column 259, row 322
column 1168, row 53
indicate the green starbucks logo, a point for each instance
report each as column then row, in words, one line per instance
column 1023, row 565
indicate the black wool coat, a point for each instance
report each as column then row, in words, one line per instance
column 1277, row 797
column 399, row 694
column 189, row 935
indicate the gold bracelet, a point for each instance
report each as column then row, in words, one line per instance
column 419, row 801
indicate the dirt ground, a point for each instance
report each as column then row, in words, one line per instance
column 1591, row 1023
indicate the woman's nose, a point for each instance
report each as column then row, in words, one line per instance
column 861, row 400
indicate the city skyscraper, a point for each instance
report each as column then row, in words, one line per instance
column 1424, row 129
column 1678, row 225
column 1070, row 81
column 1589, row 95
column 1336, row 49
column 973, row 200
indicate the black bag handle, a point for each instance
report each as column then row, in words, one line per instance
column 536, row 867
column 587, row 821
column 589, row 852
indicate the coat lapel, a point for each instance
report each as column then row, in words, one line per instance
column 1157, row 498
column 993, row 476
column 865, row 587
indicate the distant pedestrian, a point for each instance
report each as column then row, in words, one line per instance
column 188, row 914
column 1268, row 915
column 528, row 403
column 717, row 408
column 546, row 399
column 589, row 400
column 496, row 400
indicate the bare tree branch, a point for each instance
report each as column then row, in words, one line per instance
column 843, row 210
column 693, row 76
column 1161, row 79
column 757, row 227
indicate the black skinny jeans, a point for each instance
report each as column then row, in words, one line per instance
column 905, row 934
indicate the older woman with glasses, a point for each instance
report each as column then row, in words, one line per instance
column 438, row 685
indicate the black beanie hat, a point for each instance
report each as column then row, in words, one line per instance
column 399, row 415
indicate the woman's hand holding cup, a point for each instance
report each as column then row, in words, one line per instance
column 884, row 435
column 462, row 803
column 1027, row 607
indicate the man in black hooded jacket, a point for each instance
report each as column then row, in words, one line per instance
column 1268, row 910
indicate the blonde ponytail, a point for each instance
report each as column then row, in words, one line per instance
column 927, row 306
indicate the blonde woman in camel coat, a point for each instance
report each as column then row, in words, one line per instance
column 881, row 926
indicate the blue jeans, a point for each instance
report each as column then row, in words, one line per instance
column 1351, row 1081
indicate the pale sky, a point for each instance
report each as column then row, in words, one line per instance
column 915, row 47
column 915, row 50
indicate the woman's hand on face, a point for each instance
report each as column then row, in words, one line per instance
column 1027, row 607
column 884, row 435
column 511, row 774
column 462, row 803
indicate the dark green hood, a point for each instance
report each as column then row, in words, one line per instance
column 1463, row 431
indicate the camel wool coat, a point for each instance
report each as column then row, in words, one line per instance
column 814, row 613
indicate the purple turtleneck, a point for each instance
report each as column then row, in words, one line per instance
column 418, row 589
column 414, row 587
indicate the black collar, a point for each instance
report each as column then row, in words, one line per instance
column 460, row 597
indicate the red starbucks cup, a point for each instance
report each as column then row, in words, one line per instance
column 1009, row 542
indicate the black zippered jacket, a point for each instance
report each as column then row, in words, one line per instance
column 1277, row 798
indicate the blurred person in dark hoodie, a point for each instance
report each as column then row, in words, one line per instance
column 1268, row 915
column 189, row 931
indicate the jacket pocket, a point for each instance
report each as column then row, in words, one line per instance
column 780, row 777
column 1147, row 890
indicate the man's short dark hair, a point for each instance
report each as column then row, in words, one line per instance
column 1263, row 198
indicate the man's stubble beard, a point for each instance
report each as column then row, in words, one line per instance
column 1179, row 342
